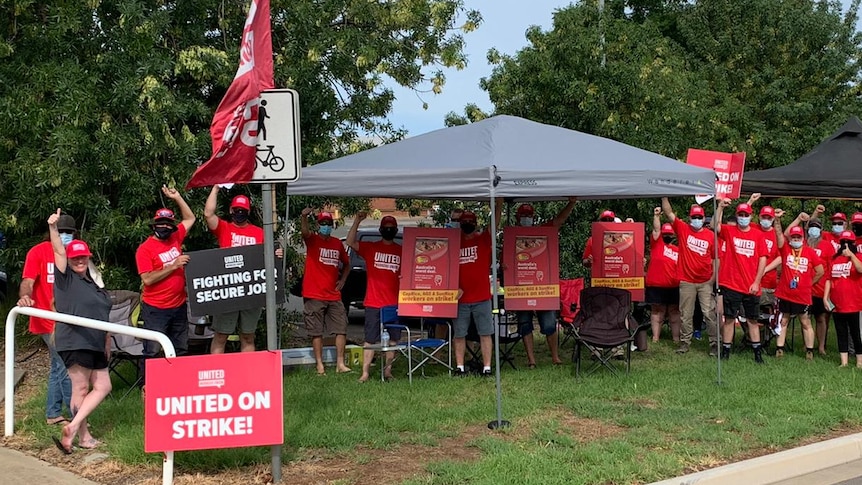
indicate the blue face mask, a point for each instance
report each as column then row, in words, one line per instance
column 795, row 244
column 526, row 221
column 766, row 223
column 453, row 225
column 837, row 229
column 697, row 223
column 325, row 230
column 814, row 232
column 66, row 238
column 743, row 221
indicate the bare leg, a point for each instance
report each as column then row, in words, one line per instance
column 487, row 348
column 317, row 348
column 753, row 332
column 84, row 402
column 553, row 344
column 528, row 346
column 656, row 317
column 727, row 330
column 807, row 331
column 675, row 320
column 782, row 337
column 218, row 343
column 390, row 356
column 367, row 356
column 246, row 342
column 844, row 357
column 460, row 348
column 340, row 343
column 822, row 322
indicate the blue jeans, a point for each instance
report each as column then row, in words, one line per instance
column 59, row 385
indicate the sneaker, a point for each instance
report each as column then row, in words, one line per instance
column 725, row 353
column 713, row 350
column 459, row 373
column 683, row 348
column 758, row 355
column 487, row 373
column 779, row 353
column 697, row 335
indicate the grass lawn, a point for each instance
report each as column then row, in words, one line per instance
column 666, row 418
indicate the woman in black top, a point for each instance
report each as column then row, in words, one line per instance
column 85, row 351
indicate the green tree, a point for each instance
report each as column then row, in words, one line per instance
column 102, row 102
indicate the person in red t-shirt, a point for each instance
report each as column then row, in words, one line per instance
column 767, row 227
column 856, row 227
column 325, row 258
column 839, row 225
column 230, row 234
column 37, row 290
column 662, row 278
column 802, row 269
column 161, row 266
column 740, row 275
column 695, row 271
column 525, row 215
column 844, row 291
column 382, row 271
column 587, row 259
column 474, row 299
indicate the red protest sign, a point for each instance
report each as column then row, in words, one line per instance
column 213, row 401
column 531, row 258
column 429, row 273
column 618, row 256
column 728, row 169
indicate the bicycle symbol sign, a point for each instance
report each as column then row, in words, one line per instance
column 278, row 154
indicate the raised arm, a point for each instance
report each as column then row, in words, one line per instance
column 303, row 223
column 719, row 213
column 818, row 211
column 210, row 209
column 656, row 223
column 56, row 243
column 802, row 217
column 754, row 198
column 351, row 241
column 564, row 214
column 776, row 223
column 667, row 209
column 185, row 211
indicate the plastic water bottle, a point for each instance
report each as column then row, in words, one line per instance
column 384, row 338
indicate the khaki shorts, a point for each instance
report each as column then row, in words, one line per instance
column 324, row 315
column 226, row 322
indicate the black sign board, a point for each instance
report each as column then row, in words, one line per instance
column 229, row 279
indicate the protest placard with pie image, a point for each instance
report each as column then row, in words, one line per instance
column 618, row 256
column 429, row 273
column 531, row 261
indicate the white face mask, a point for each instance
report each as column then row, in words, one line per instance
column 766, row 223
column 697, row 223
column 795, row 244
column 814, row 232
column 743, row 221
column 66, row 238
column 836, row 229
column 526, row 221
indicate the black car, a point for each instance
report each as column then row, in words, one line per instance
column 353, row 292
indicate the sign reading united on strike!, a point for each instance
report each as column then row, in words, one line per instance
column 229, row 279
column 429, row 273
column 213, row 401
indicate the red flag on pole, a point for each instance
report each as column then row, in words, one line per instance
column 234, row 127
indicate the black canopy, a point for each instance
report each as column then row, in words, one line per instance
column 832, row 170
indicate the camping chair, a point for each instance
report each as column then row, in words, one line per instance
column 603, row 324
column 200, row 334
column 570, row 295
column 125, row 348
column 509, row 335
column 425, row 349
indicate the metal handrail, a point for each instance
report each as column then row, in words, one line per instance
column 140, row 333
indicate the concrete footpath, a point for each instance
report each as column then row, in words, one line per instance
column 832, row 462
column 20, row 468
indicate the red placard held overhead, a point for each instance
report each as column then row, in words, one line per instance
column 429, row 273
column 728, row 169
column 531, row 258
column 213, row 401
column 618, row 256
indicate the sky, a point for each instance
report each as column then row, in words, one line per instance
column 503, row 27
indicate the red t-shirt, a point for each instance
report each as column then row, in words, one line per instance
column 831, row 238
column 662, row 271
column 825, row 250
column 797, row 264
column 696, row 252
column 770, row 279
column 744, row 250
column 230, row 235
column 846, row 282
column 321, row 267
column 39, row 266
column 154, row 254
column 588, row 248
column 382, row 268
column 474, row 267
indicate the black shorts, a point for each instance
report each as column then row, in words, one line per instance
column 372, row 327
column 817, row 307
column 656, row 295
column 740, row 304
column 88, row 359
column 791, row 307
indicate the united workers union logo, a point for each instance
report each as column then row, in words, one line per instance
column 234, row 261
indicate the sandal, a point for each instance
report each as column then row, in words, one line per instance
column 92, row 443
column 66, row 451
column 58, row 420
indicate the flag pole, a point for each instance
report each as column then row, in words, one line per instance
column 271, row 333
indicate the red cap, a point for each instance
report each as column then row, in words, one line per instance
column 468, row 216
column 389, row 221
column 847, row 236
column 696, row 210
column 767, row 211
column 743, row 209
column 666, row 228
column 797, row 231
column 525, row 210
column 839, row 215
column 608, row 215
column 324, row 216
column 857, row 217
column 77, row 248
column 164, row 215
column 240, row 202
